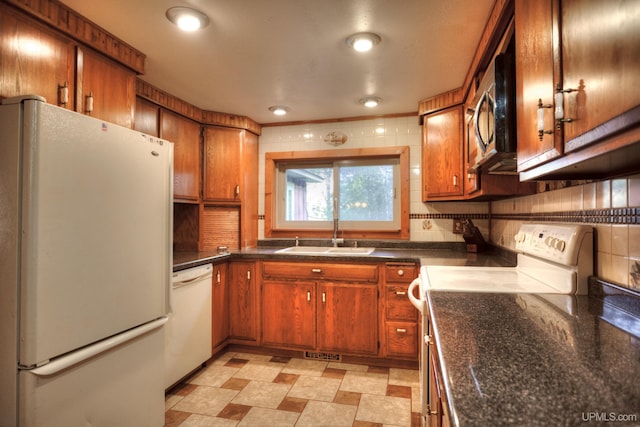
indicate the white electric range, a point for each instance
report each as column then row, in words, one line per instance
column 554, row 262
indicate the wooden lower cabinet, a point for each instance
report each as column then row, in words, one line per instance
column 220, row 307
column 348, row 318
column 305, row 306
column 243, row 302
column 289, row 314
column 400, row 317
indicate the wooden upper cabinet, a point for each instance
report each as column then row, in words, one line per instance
column 105, row 89
column 442, row 155
column 580, row 60
column 600, row 64
column 222, row 164
column 147, row 117
column 34, row 60
column 185, row 135
column 536, row 44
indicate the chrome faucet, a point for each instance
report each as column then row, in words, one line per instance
column 335, row 239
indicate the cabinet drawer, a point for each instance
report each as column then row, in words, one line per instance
column 398, row 306
column 402, row 339
column 401, row 273
column 323, row 271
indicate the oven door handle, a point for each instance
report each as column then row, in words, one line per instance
column 417, row 303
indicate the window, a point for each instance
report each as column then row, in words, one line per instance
column 363, row 192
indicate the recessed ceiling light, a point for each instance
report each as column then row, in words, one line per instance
column 279, row 110
column 370, row 101
column 187, row 19
column 363, row 42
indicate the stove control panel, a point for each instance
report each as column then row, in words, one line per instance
column 561, row 243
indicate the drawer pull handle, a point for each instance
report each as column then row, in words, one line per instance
column 401, row 293
column 401, row 330
column 316, row 270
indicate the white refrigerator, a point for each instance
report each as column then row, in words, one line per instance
column 85, row 267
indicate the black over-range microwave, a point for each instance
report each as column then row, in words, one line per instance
column 491, row 128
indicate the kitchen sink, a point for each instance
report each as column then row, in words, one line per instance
column 351, row 251
column 324, row 250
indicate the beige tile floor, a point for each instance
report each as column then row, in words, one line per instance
column 241, row 389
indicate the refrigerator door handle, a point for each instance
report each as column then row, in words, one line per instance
column 83, row 354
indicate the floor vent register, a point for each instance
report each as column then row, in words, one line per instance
column 322, row 356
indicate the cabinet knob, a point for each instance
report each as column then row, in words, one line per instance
column 236, row 191
column 308, row 296
column 400, row 272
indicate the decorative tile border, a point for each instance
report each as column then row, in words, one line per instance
column 598, row 216
column 449, row 216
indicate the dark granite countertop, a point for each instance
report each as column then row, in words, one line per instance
column 438, row 254
column 514, row 359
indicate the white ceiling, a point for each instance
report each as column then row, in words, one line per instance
column 258, row 53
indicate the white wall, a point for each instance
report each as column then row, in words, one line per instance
column 429, row 222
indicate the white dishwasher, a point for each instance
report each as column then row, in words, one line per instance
column 188, row 331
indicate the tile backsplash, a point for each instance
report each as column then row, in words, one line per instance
column 611, row 206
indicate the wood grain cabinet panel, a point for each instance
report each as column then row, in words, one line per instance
column 220, row 306
column 185, row 135
column 243, row 302
column 147, row 119
column 600, row 64
column 401, row 319
column 105, row 89
column 442, row 155
column 324, row 306
column 289, row 314
column 222, row 164
column 579, row 60
column 34, row 60
column 536, row 45
column 348, row 318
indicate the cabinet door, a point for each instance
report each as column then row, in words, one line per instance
column 222, row 165
column 442, row 155
column 147, row 117
column 536, row 44
column 348, row 318
column 34, row 59
column 289, row 314
column 185, row 135
column 243, row 301
column 600, row 62
column 105, row 89
column 220, row 305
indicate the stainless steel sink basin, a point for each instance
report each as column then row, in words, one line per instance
column 324, row 250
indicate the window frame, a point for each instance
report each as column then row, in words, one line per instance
column 273, row 159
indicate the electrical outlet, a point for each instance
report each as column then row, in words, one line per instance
column 457, row 226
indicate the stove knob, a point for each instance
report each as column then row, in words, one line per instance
column 549, row 241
